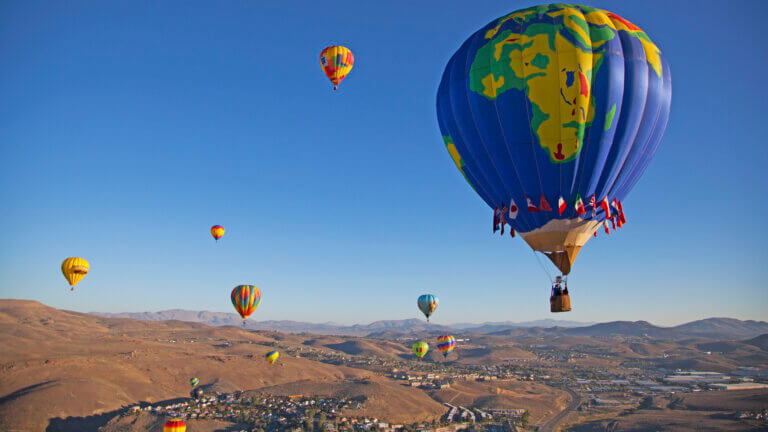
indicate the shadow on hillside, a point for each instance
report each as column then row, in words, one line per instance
column 21, row 392
column 78, row 424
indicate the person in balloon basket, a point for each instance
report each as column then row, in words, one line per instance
column 557, row 289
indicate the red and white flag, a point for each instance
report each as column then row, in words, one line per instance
column 561, row 204
column 579, row 206
column 594, row 205
column 544, row 205
column 621, row 214
column 512, row 209
column 605, row 225
column 496, row 217
column 531, row 205
column 604, row 204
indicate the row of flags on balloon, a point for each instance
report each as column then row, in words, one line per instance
column 616, row 217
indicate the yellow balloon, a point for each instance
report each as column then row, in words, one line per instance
column 74, row 269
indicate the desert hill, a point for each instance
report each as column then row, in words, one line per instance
column 58, row 364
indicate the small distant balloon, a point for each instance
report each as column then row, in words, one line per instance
column 420, row 348
column 272, row 356
column 245, row 299
column 175, row 425
column 194, row 381
column 217, row 231
column 337, row 62
column 446, row 344
column 74, row 269
column 427, row 304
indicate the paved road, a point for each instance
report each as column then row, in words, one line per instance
column 553, row 422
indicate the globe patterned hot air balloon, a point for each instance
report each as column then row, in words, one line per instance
column 420, row 348
column 551, row 114
column 446, row 344
column 272, row 356
column 336, row 62
column 175, row 425
column 245, row 299
column 74, row 269
column 194, row 381
column 217, row 231
column 427, row 303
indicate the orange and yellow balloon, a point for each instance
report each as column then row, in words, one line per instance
column 175, row 425
column 245, row 299
column 74, row 269
column 337, row 62
column 217, row 231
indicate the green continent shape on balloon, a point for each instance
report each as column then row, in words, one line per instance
column 554, row 63
column 456, row 157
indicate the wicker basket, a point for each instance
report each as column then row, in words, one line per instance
column 560, row 303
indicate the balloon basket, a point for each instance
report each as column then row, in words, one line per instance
column 560, row 303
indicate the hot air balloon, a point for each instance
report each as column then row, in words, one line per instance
column 175, row 425
column 74, row 269
column 217, row 231
column 420, row 348
column 272, row 356
column 427, row 304
column 245, row 299
column 551, row 114
column 446, row 344
column 336, row 62
column 194, row 381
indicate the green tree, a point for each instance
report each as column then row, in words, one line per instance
column 524, row 419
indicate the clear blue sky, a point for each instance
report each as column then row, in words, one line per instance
column 128, row 128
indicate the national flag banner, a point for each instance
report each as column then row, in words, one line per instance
column 531, row 206
column 613, row 222
column 621, row 214
column 604, row 204
column 512, row 209
column 594, row 206
column 511, row 231
column 579, row 206
column 561, row 204
column 605, row 225
column 503, row 217
column 544, row 205
column 595, row 233
column 615, row 204
column 496, row 214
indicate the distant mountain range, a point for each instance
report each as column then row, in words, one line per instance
column 710, row 328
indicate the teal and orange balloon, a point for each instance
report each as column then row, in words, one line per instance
column 427, row 304
column 245, row 299
column 337, row 62
column 446, row 344
column 552, row 113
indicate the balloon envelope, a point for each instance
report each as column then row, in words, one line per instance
column 337, row 62
column 245, row 299
column 193, row 381
column 446, row 344
column 427, row 304
column 217, row 231
column 175, row 425
column 420, row 349
column 74, row 269
column 554, row 105
column 272, row 356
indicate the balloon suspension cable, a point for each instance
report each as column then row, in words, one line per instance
column 544, row 267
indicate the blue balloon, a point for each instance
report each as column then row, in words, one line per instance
column 551, row 114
